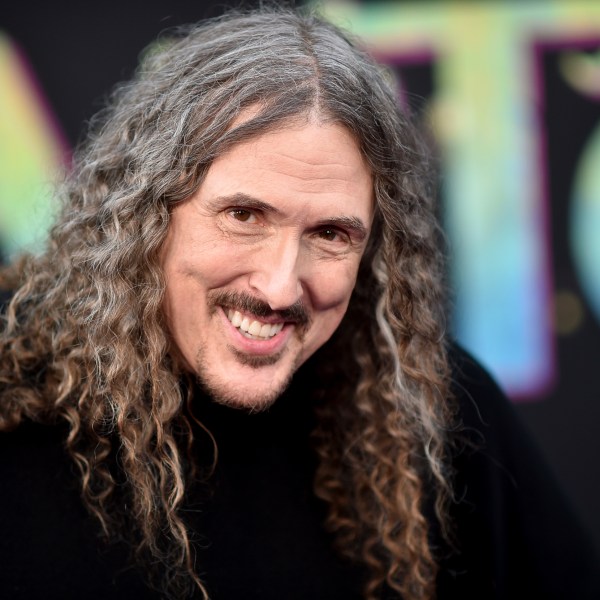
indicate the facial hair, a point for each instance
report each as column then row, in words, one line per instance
column 220, row 391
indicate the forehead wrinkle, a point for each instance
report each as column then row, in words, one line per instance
column 316, row 188
column 279, row 160
column 310, row 162
column 338, row 174
column 318, row 180
column 323, row 185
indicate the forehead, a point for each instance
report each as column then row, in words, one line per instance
column 311, row 162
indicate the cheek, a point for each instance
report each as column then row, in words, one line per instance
column 332, row 289
column 330, row 304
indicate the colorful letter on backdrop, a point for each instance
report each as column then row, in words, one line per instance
column 487, row 113
column 31, row 155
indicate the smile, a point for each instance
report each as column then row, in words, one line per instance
column 253, row 329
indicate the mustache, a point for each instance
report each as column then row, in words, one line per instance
column 242, row 301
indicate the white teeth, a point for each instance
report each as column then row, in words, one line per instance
column 254, row 329
column 237, row 319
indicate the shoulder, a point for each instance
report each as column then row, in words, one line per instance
column 35, row 465
column 488, row 427
column 480, row 399
column 515, row 527
column 50, row 545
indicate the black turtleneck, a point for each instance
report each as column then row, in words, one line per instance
column 258, row 529
column 258, row 522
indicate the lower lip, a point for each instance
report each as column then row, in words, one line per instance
column 257, row 347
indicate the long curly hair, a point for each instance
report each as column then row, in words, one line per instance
column 85, row 339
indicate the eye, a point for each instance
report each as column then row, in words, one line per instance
column 243, row 215
column 329, row 234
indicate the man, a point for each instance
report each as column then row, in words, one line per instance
column 236, row 332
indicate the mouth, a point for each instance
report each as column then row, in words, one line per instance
column 251, row 327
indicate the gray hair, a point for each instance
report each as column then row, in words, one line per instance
column 109, row 372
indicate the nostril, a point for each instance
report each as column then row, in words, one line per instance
column 279, row 290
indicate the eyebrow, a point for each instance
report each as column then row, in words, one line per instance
column 241, row 200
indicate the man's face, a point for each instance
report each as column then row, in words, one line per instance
column 261, row 261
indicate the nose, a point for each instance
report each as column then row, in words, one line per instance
column 275, row 275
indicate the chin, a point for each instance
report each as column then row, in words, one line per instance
column 245, row 381
column 256, row 388
column 247, row 400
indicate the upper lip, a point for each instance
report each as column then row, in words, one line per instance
column 258, row 310
column 272, row 319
